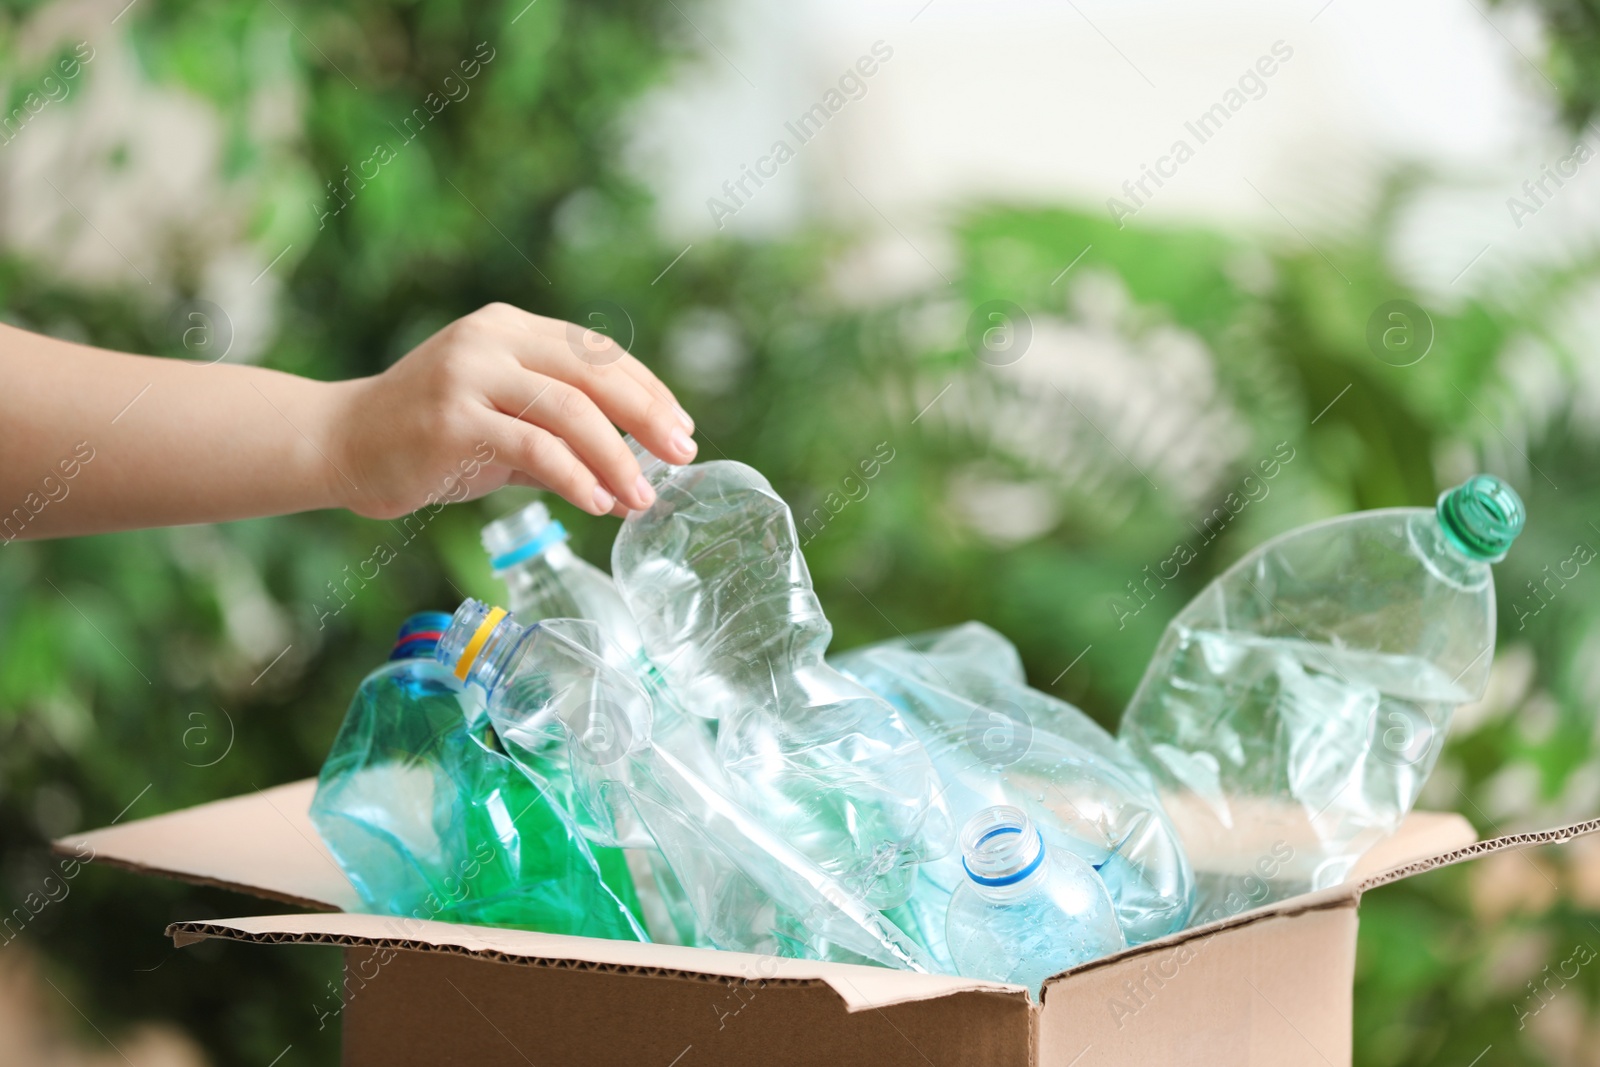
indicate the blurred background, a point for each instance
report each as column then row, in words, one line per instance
column 1376, row 253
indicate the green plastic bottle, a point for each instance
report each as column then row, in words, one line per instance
column 430, row 819
column 1294, row 709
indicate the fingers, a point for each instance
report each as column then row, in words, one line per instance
column 623, row 389
column 541, row 458
column 567, row 412
column 519, row 478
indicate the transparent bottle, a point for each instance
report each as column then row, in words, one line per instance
column 996, row 741
column 545, row 579
column 429, row 818
column 1294, row 708
column 713, row 574
column 1025, row 911
column 750, row 889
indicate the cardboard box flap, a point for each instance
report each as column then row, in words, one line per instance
column 1418, row 865
column 1423, row 834
column 260, row 843
column 860, row 987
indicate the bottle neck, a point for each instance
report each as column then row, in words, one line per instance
column 536, row 577
column 1003, row 854
column 481, row 644
column 1480, row 518
column 656, row 471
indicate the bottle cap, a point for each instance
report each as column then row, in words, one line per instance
column 1481, row 517
column 419, row 635
column 521, row 535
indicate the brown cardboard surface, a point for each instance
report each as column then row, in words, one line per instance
column 265, row 843
column 1424, row 833
column 261, row 843
column 431, row 1008
column 860, row 988
column 1269, row 986
column 1272, row 993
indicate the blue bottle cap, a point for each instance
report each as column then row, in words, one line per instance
column 521, row 535
column 419, row 635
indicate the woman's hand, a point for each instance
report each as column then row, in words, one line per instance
column 501, row 397
column 99, row 440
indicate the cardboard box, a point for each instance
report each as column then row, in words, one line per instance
column 1271, row 986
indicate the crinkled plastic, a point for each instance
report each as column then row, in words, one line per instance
column 1295, row 707
column 430, row 819
column 995, row 741
column 546, row 580
column 750, row 889
column 714, row 575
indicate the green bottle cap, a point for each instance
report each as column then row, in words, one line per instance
column 1481, row 517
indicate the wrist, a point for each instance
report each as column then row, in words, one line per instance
column 334, row 468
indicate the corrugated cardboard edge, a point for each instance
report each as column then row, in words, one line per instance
column 1347, row 894
column 1339, row 896
column 1530, row 839
column 861, row 988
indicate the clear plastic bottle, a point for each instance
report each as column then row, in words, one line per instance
column 544, row 579
column 995, row 740
column 430, row 819
column 751, row 891
column 713, row 574
column 1025, row 911
column 1294, row 708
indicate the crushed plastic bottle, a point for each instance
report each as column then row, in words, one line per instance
column 1025, row 911
column 996, row 741
column 750, row 889
column 1295, row 707
column 528, row 551
column 430, row 819
column 713, row 574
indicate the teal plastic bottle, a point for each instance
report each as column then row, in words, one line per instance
column 1294, row 709
column 996, row 741
column 750, row 889
column 1025, row 911
column 714, row 575
column 544, row 579
column 430, row 819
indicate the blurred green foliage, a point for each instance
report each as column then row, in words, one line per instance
column 148, row 671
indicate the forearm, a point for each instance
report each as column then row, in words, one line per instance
column 97, row 441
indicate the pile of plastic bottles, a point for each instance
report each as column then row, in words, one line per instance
column 666, row 753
